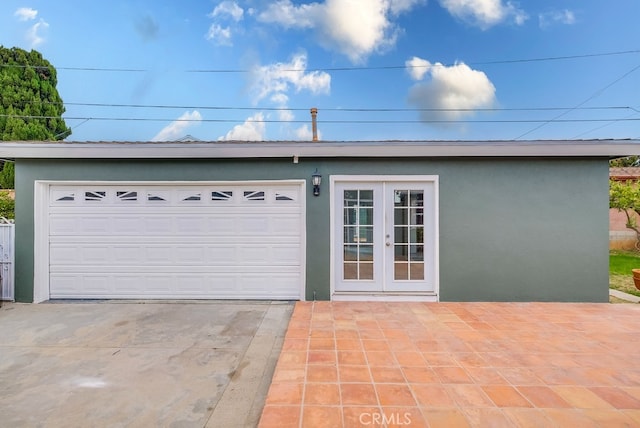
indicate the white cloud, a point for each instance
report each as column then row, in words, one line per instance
column 253, row 129
column 226, row 12
column 34, row 34
column 454, row 87
column 565, row 17
column 305, row 133
column 219, row 35
column 484, row 13
column 26, row 14
column 228, row 9
column 354, row 28
column 417, row 67
column 275, row 80
column 176, row 129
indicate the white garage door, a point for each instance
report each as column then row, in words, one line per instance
column 224, row 241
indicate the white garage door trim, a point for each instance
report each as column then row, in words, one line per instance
column 42, row 228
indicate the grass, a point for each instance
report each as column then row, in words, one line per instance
column 620, row 265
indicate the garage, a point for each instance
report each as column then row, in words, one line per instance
column 225, row 240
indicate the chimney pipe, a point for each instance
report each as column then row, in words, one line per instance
column 314, row 124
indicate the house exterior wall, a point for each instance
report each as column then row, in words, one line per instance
column 511, row 229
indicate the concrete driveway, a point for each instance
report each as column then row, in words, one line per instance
column 171, row 364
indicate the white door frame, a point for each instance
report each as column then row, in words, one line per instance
column 41, row 222
column 385, row 296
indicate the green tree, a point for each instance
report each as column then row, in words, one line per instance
column 7, row 175
column 626, row 161
column 30, row 106
column 625, row 197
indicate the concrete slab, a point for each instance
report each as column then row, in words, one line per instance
column 178, row 364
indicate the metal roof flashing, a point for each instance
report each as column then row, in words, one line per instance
column 325, row 149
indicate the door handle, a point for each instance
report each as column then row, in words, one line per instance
column 388, row 244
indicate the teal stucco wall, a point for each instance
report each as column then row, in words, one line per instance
column 511, row 229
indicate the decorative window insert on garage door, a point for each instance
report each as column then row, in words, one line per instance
column 226, row 240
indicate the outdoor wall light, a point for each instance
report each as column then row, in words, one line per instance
column 316, row 179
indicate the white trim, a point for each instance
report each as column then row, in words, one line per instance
column 41, row 224
column 330, row 149
column 392, row 296
column 383, row 297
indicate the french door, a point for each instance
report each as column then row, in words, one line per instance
column 385, row 235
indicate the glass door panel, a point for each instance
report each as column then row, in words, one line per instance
column 360, row 256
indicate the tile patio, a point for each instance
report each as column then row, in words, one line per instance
column 375, row 364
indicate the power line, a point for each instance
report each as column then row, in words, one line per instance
column 353, row 109
column 334, row 69
column 147, row 119
column 594, row 95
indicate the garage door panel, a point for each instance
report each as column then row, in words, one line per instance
column 73, row 255
column 182, row 241
column 165, row 225
column 223, row 285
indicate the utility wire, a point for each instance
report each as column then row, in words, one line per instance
column 146, row 119
column 354, row 109
column 594, row 95
column 333, row 69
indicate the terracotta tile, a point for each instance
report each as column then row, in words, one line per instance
column 371, row 334
column 322, row 344
column 322, row 394
column 395, row 333
column 297, row 333
column 351, row 357
column 616, row 397
column 439, row 359
column 542, row 396
column 452, row 374
column 348, row 345
column 380, row 358
column 289, row 375
column 486, row 376
column 285, row 393
column 569, row 418
column 405, row 417
column 321, row 357
column 351, row 334
column 354, row 373
column 432, row 395
column 520, row 376
column 295, row 344
column 322, row 373
column 274, row 416
column 469, row 396
column 505, row 396
column 321, row 416
column 410, row 359
column 290, row 359
column 445, row 418
column 420, row 375
column 469, row 359
column 634, row 415
column 362, row 416
column 358, row 393
column 375, row 345
column 609, row 418
column 391, row 394
column 581, row 398
column 387, row 375
column 527, row 418
column 487, row 417
column 322, row 333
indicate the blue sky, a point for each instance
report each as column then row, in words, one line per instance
column 252, row 69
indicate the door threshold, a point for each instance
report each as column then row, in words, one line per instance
column 357, row 296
